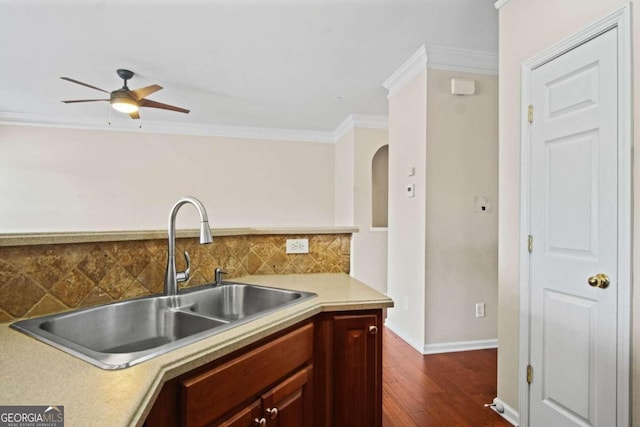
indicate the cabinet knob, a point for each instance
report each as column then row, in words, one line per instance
column 373, row 329
column 273, row 413
column 260, row 422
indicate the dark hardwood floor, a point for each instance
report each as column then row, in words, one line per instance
column 437, row 390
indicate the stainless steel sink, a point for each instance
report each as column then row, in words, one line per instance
column 237, row 301
column 122, row 334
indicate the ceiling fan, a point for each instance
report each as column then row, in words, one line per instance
column 127, row 100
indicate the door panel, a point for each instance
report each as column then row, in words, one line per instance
column 573, row 220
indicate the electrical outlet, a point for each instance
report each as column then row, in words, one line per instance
column 480, row 309
column 297, row 246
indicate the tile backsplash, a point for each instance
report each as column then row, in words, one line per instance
column 49, row 278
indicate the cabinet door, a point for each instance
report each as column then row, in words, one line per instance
column 213, row 393
column 248, row 416
column 357, row 365
column 289, row 403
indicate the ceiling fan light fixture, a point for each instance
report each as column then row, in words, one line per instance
column 125, row 105
column 128, row 101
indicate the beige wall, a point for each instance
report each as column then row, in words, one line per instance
column 442, row 253
column 527, row 28
column 353, row 154
column 369, row 255
column 406, row 253
column 344, row 152
column 461, row 241
column 67, row 179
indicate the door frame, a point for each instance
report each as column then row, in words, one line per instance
column 620, row 19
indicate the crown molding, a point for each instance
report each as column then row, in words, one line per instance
column 441, row 58
column 353, row 121
column 195, row 129
column 412, row 67
column 500, row 3
column 468, row 61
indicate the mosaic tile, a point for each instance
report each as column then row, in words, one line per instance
column 96, row 264
column 152, row 277
column 73, row 288
column 239, row 245
column 7, row 272
column 19, row 295
column 47, row 305
column 116, row 282
column 254, row 262
column 134, row 291
column 96, row 297
column 21, row 256
column 133, row 256
column 4, row 317
column 53, row 278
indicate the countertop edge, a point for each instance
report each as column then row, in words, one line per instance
column 26, row 239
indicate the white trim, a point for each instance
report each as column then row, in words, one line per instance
column 450, row 347
column 441, row 58
column 468, row 61
column 352, row 121
column 447, row 347
column 620, row 18
column 418, row 346
column 412, row 67
column 197, row 129
column 500, row 3
column 379, row 229
column 368, row 121
column 506, row 412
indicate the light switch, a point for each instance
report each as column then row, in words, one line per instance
column 411, row 171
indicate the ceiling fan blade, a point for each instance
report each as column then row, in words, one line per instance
column 83, row 84
column 135, row 115
column 154, row 104
column 138, row 94
column 84, row 100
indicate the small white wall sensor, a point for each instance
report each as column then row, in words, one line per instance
column 463, row 86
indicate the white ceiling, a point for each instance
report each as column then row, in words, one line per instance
column 284, row 64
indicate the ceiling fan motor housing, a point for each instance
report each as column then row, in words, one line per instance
column 124, row 74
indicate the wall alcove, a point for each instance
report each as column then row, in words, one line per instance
column 380, row 188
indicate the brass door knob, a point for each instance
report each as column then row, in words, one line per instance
column 600, row 280
column 373, row 329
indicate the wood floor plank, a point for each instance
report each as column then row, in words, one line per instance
column 438, row 390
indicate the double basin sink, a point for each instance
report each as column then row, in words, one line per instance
column 122, row 334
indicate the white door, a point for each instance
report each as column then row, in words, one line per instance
column 574, row 171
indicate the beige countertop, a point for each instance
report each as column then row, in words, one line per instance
column 33, row 373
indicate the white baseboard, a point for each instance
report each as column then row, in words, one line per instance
column 506, row 412
column 449, row 347
column 405, row 336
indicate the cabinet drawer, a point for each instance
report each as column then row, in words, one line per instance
column 209, row 395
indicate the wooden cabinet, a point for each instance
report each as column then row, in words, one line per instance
column 288, row 404
column 323, row 372
column 349, row 365
column 357, row 366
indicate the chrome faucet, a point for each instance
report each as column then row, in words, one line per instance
column 172, row 278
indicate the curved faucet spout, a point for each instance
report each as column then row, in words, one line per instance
column 172, row 277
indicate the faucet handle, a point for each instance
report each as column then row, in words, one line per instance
column 183, row 276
